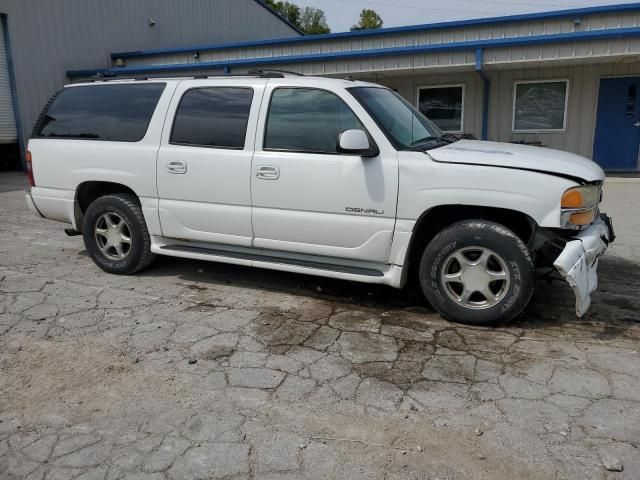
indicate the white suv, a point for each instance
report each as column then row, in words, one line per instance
column 327, row 177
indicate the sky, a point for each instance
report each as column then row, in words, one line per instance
column 342, row 14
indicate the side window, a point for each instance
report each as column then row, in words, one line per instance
column 213, row 117
column 307, row 120
column 118, row 113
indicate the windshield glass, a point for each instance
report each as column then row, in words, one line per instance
column 405, row 127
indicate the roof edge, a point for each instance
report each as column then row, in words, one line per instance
column 381, row 31
column 627, row 32
column 280, row 17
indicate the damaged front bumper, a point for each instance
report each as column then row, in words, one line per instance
column 578, row 262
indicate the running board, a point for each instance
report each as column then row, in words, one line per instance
column 252, row 257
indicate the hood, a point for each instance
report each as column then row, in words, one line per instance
column 523, row 157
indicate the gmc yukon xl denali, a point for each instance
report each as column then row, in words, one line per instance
column 337, row 178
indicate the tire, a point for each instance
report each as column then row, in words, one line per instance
column 101, row 229
column 477, row 272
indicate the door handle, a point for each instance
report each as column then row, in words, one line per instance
column 637, row 124
column 268, row 172
column 177, row 167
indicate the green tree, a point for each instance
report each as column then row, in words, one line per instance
column 310, row 20
column 313, row 21
column 289, row 11
column 369, row 20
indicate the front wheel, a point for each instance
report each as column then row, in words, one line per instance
column 477, row 272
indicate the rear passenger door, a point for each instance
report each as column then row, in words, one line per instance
column 204, row 162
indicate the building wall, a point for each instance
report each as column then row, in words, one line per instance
column 429, row 35
column 584, row 81
column 49, row 37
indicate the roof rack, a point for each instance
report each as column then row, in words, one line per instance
column 275, row 73
column 112, row 76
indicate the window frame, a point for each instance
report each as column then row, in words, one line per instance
column 215, row 147
column 463, row 86
column 38, row 125
column 372, row 142
column 540, row 130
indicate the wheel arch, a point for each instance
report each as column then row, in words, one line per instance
column 436, row 218
column 89, row 191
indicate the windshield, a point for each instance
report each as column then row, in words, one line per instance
column 405, row 127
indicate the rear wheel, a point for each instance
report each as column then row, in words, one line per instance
column 477, row 272
column 115, row 234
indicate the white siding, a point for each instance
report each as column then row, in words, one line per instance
column 584, row 82
column 8, row 132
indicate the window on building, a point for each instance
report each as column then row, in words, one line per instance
column 307, row 120
column 443, row 105
column 540, row 106
column 213, row 117
column 119, row 113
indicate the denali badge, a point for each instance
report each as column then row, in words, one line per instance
column 366, row 211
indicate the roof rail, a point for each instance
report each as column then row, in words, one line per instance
column 113, row 76
column 272, row 72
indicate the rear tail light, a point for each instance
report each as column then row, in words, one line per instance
column 32, row 182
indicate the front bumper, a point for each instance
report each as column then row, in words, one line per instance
column 578, row 262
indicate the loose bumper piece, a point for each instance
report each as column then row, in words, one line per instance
column 578, row 262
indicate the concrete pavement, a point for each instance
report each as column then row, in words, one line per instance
column 201, row 370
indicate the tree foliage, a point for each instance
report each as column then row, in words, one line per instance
column 369, row 20
column 313, row 21
column 310, row 20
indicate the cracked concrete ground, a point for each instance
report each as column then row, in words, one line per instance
column 201, row 370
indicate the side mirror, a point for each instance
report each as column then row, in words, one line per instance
column 356, row 142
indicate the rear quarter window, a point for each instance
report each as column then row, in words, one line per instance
column 118, row 113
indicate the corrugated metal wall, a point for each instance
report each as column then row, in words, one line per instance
column 49, row 37
column 8, row 131
column 521, row 29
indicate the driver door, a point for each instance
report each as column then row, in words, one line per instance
column 308, row 198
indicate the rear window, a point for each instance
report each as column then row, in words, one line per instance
column 118, row 113
column 213, row 117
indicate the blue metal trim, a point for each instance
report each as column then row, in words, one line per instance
column 22, row 150
column 280, row 17
column 413, row 49
column 479, row 55
column 485, row 94
column 383, row 31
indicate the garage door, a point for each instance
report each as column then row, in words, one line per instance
column 8, row 132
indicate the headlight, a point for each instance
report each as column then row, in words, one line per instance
column 579, row 206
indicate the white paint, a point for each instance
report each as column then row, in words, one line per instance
column 519, row 156
column 354, row 141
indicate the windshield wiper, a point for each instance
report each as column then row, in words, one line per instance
column 450, row 137
column 424, row 140
column 427, row 140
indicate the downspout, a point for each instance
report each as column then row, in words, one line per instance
column 485, row 94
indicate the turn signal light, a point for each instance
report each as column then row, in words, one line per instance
column 572, row 199
column 30, row 178
column 582, row 218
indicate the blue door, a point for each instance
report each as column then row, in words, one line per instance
column 617, row 140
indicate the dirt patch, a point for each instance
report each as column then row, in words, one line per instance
column 77, row 379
